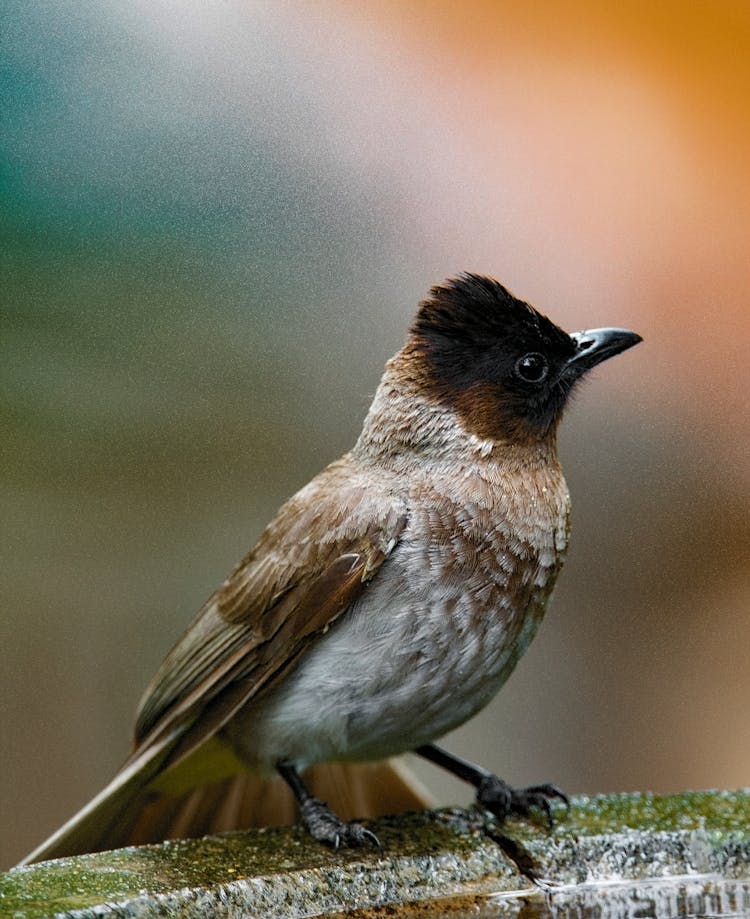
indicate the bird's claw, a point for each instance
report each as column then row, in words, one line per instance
column 322, row 824
column 504, row 801
column 355, row 837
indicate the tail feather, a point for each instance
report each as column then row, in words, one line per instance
column 247, row 800
column 127, row 813
column 368, row 789
column 105, row 822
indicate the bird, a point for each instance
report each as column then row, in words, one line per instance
column 384, row 605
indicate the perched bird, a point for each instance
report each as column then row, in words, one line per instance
column 384, row 605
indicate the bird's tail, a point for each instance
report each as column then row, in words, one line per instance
column 133, row 810
column 105, row 822
column 246, row 800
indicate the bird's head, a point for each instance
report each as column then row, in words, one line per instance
column 502, row 366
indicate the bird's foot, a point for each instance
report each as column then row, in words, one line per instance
column 322, row 824
column 503, row 800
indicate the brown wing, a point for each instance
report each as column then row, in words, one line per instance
column 309, row 565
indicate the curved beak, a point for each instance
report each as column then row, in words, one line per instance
column 596, row 345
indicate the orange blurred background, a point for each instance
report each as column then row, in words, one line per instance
column 219, row 219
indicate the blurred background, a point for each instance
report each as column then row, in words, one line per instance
column 217, row 222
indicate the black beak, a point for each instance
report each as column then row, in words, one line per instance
column 597, row 345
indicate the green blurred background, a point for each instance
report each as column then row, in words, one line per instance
column 217, row 221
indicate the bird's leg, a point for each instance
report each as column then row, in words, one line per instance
column 493, row 793
column 318, row 818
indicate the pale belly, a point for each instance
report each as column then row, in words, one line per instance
column 425, row 648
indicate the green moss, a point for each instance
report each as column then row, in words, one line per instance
column 424, row 855
column 727, row 811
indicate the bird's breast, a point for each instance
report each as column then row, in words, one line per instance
column 434, row 635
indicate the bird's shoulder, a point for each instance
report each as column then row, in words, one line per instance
column 347, row 509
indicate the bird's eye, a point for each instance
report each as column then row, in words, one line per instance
column 532, row 367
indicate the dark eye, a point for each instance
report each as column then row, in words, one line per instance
column 532, row 367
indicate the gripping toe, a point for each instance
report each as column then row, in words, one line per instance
column 504, row 801
column 322, row 824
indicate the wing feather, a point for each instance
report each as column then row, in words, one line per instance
column 309, row 565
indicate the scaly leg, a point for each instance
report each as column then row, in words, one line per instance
column 318, row 818
column 493, row 793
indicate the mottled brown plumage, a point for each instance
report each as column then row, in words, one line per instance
column 386, row 602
